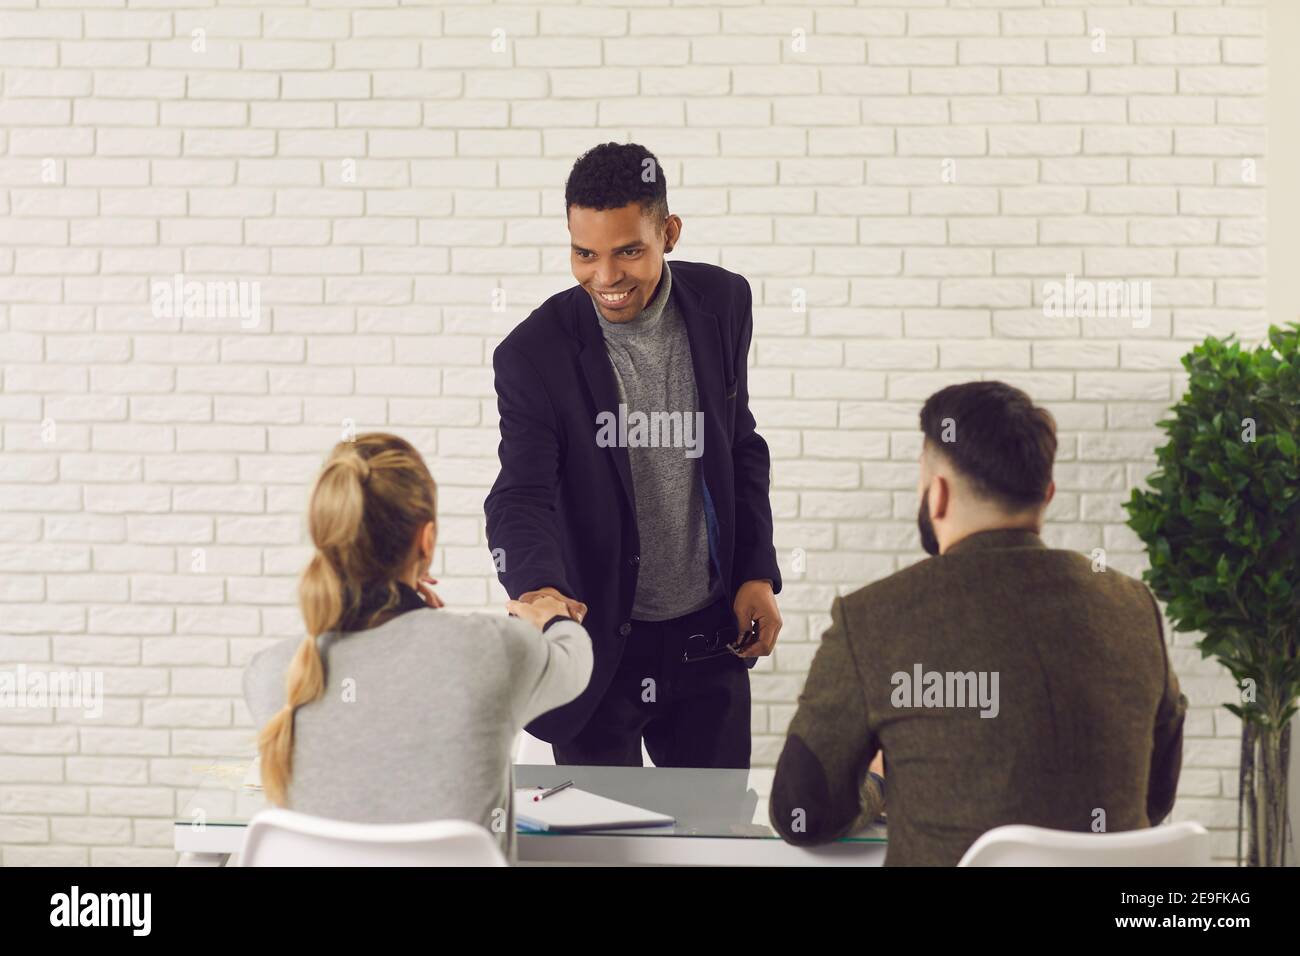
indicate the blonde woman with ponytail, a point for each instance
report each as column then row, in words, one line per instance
column 390, row 710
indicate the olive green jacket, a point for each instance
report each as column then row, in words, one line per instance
column 1006, row 682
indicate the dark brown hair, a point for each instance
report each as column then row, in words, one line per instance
column 996, row 437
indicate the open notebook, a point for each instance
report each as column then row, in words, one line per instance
column 571, row 810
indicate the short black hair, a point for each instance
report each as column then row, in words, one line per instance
column 996, row 437
column 611, row 175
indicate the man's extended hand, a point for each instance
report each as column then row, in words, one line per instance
column 756, row 602
column 577, row 610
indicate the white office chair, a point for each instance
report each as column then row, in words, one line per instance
column 1180, row 844
column 279, row 837
column 530, row 750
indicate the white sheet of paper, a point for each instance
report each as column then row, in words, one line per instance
column 573, row 809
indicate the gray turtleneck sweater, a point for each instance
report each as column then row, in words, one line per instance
column 651, row 356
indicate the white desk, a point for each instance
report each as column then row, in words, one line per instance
column 721, row 821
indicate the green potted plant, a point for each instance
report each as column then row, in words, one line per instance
column 1221, row 524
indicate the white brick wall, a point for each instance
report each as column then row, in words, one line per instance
column 806, row 145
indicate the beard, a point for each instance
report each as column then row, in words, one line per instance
column 923, row 523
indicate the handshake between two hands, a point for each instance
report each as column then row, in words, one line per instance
column 538, row 607
column 535, row 607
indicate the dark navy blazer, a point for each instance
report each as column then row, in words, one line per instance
column 561, row 513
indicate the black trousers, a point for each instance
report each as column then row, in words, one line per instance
column 691, row 714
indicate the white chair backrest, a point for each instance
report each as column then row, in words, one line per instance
column 530, row 750
column 279, row 837
column 1179, row 844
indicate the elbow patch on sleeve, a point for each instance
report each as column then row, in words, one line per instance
column 802, row 808
column 1167, row 768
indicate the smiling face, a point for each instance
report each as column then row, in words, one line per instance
column 617, row 255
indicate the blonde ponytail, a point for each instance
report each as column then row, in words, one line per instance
column 370, row 498
column 306, row 682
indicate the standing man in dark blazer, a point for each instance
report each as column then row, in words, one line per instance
column 633, row 485
column 1005, row 681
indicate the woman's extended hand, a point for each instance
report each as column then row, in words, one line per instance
column 426, row 592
